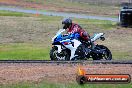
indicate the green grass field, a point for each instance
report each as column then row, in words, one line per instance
column 59, row 85
column 20, row 51
column 17, row 14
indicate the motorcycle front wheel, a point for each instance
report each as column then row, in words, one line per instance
column 54, row 55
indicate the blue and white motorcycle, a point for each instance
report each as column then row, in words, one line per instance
column 68, row 47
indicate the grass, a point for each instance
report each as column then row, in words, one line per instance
column 72, row 85
column 95, row 24
column 19, row 51
column 124, row 55
column 17, row 14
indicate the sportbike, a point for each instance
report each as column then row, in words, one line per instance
column 73, row 49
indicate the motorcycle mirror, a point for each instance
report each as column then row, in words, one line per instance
column 102, row 38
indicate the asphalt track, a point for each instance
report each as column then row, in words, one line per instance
column 62, row 14
column 70, row 62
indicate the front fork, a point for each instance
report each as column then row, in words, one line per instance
column 59, row 48
column 72, row 54
column 72, row 51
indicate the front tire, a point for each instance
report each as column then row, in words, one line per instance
column 54, row 55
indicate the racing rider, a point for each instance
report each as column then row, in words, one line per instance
column 75, row 28
column 72, row 28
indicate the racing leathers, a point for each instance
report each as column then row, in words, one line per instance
column 75, row 28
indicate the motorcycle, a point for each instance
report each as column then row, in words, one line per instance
column 68, row 47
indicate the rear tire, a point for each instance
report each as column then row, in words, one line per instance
column 106, row 55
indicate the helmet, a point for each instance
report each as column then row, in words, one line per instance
column 66, row 23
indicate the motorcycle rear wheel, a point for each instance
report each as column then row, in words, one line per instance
column 105, row 56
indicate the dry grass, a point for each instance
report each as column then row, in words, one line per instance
column 26, row 29
column 105, row 2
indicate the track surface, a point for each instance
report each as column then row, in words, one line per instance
column 57, row 71
column 70, row 62
column 63, row 14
